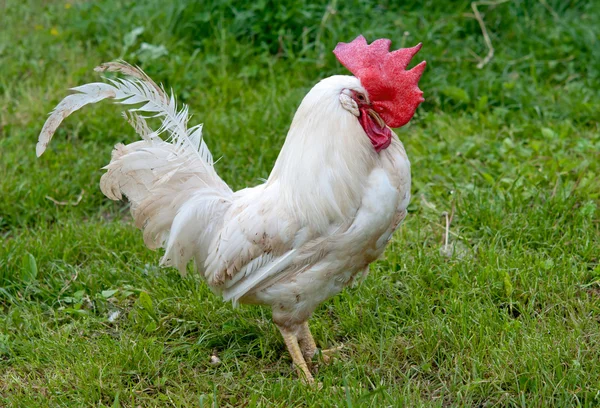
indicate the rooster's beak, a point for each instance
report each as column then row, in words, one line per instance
column 376, row 118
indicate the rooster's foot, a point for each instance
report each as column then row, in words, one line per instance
column 327, row 355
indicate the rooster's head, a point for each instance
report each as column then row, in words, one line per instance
column 392, row 92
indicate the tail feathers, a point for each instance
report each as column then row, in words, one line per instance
column 176, row 196
column 176, row 204
column 194, row 227
column 90, row 93
column 137, row 89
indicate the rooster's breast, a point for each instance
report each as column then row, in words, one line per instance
column 342, row 256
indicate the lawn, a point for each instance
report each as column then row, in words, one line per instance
column 506, row 314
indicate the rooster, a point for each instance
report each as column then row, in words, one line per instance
column 338, row 190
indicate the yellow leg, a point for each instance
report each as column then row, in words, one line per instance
column 291, row 341
column 309, row 347
column 307, row 343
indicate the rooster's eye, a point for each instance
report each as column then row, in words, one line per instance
column 361, row 97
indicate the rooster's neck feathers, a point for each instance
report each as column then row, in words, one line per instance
column 326, row 157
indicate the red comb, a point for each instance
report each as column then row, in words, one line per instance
column 394, row 91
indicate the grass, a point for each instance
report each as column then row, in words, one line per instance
column 510, row 317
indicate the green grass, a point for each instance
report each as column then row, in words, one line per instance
column 511, row 318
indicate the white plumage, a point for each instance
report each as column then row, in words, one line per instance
column 326, row 212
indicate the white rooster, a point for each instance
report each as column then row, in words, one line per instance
column 337, row 192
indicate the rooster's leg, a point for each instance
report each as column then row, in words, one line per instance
column 290, row 336
column 307, row 343
column 309, row 347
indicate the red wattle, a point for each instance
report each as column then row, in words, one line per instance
column 380, row 137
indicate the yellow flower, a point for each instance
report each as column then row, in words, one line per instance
column 67, row 5
column 53, row 31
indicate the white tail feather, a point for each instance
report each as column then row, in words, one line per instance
column 131, row 91
column 176, row 196
column 90, row 93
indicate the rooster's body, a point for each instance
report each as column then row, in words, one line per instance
column 326, row 212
